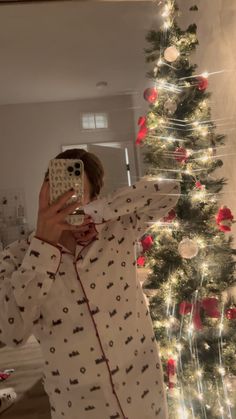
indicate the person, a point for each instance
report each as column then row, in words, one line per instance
column 78, row 292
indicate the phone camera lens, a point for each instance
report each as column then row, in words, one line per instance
column 77, row 172
column 70, row 169
column 77, row 165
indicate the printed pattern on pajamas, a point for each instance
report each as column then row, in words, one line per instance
column 88, row 311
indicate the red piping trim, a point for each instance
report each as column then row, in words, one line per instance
column 97, row 334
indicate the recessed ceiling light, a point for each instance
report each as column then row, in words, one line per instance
column 101, row 84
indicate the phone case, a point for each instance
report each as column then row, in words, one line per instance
column 65, row 174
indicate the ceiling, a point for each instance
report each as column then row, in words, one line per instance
column 52, row 51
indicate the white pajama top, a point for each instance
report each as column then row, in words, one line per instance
column 88, row 310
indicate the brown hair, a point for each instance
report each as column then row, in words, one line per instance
column 92, row 166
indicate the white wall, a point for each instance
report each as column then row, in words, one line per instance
column 32, row 134
column 217, row 51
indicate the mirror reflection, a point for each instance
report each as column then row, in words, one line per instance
column 76, row 337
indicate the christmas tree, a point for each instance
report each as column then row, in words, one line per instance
column 189, row 253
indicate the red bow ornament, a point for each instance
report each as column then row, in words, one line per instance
column 147, row 243
column 171, row 372
column 209, row 305
column 142, row 122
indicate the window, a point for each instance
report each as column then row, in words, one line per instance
column 94, row 121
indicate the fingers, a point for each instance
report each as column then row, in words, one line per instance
column 58, row 205
column 44, row 196
column 66, row 211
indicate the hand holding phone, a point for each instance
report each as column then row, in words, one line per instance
column 65, row 174
column 52, row 218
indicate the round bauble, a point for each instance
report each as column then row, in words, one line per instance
column 171, row 54
column 188, row 248
column 150, row 94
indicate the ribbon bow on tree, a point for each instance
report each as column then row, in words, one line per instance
column 142, row 130
column 209, row 305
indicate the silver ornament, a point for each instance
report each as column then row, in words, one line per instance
column 171, row 54
column 188, row 248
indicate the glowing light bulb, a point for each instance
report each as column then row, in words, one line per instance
column 166, row 11
column 205, row 75
column 190, row 328
column 176, row 224
column 203, row 103
column 173, row 280
column 221, row 327
column 168, row 300
column 205, row 158
column 166, row 24
column 179, row 347
column 221, row 371
column 204, row 266
column 199, row 195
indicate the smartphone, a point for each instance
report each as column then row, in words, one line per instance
column 65, row 174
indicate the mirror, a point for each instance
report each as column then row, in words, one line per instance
column 72, row 75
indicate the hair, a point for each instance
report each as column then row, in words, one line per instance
column 92, row 166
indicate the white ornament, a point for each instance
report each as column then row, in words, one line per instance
column 171, row 54
column 170, row 106
column 188, row 248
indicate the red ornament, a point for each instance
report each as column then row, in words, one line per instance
column 150, row 94
column 147, row 243
column 181, row 154
column 141, row 261
column 142, row 130
column 224, row 219
column 171, row 372
column 231, row 313
column 202, row 83
column 199, row 185
column 170, row 216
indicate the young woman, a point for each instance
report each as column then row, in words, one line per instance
column 77, row 291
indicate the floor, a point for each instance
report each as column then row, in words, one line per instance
column 26, row 380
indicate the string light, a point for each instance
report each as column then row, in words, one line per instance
column 179, row 347
column 199, row 195
column 167, row 24
column 205, row 75
column 201, row 243
column 221, row 371
column 199, row 373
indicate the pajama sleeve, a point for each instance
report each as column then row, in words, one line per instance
column 26, row 276
column 144, row 202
